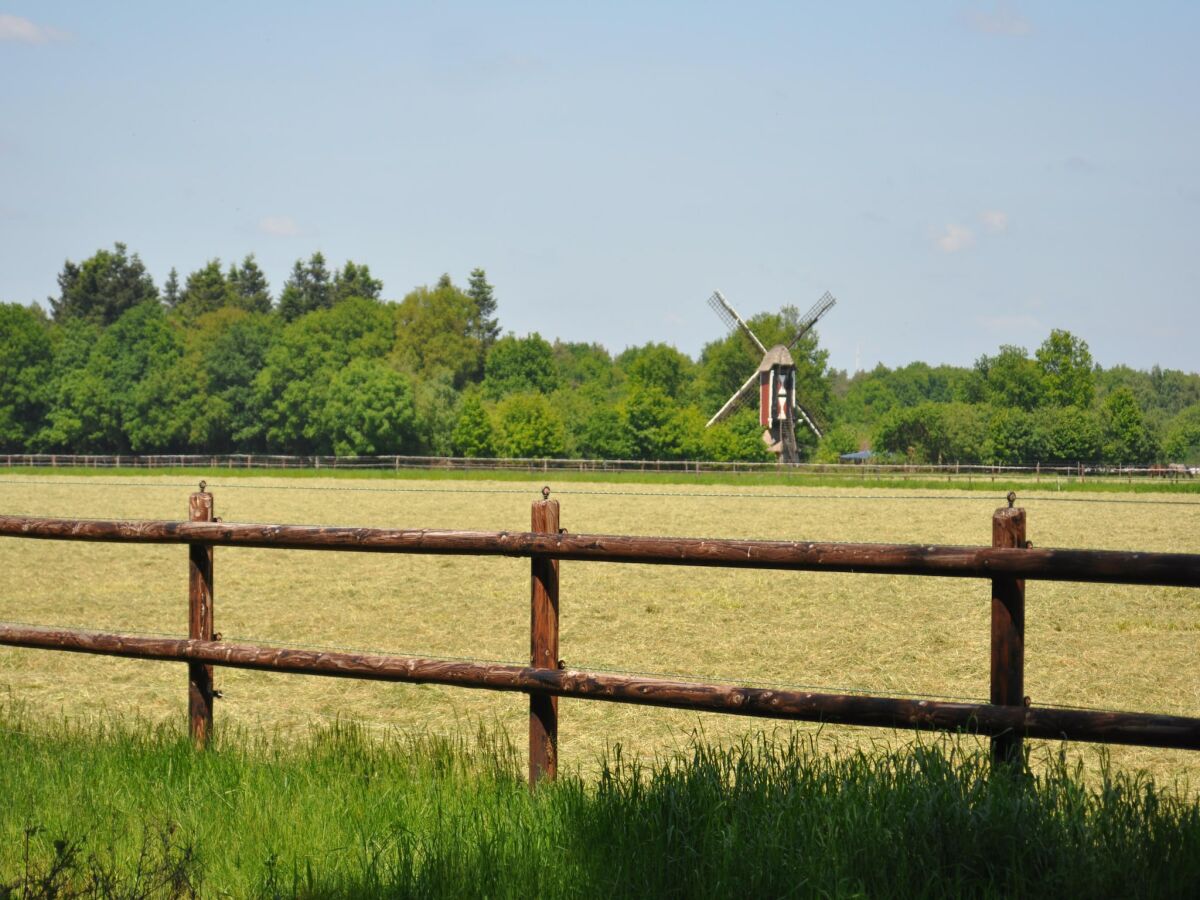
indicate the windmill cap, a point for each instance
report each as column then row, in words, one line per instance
column 776, row 356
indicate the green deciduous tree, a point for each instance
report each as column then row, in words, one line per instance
column 292, row 388
column 660, row 366
column 527, row 426
column 473, row 433
column 26, row 357
column 102, row 287
column 1066, row 365
column 1010, row 437
column 1182, row 442
column 1127, row 440
column 368, row 410
column 1067, row 434
column 519, row 365
column 433, row 333
column 1011, row 379
column 660, row 428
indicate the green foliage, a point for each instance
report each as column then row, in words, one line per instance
column 1067, row 434
column 102, row 287
column 658, row 366
column 355, row 280
column 205, row 291
column 433, row 334
column 26, row 356
column 436, row 404
column 1182, row 443
column 659, row 428
column 473, row 433
column 738, row 438
column 171, row 289
column 1066, row 370
column 1009, row 437
column 583, row 365
column 368, row 410
column 518, row 365
column 227, row 372
column 1125, row 434
column 248, row 286
column 307, row 289
column 293, row 386
column 528, row 426
column 483, row 325
column 836, row 441
column 1009, row 379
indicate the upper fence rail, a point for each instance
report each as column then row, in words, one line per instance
column 1047, row 564
column 551, row 464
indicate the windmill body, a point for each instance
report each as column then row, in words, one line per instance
column 774, row 382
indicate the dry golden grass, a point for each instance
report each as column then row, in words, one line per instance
column 1094, row 645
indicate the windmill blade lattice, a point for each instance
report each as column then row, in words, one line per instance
column 737, row 401
column 732, row 320
column 822, row 306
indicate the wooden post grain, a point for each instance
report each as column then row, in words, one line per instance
column 543, row 648
column 1008, row 632
column 200, row 621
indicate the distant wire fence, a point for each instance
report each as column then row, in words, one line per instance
column 861, row 470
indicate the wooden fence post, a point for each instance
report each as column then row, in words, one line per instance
column 1008, row 632
column 200, row 621
column 543, row 647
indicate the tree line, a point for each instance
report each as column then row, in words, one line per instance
column 218, row 364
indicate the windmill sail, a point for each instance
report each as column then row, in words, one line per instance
column 737, row 401
column 803, row 413
column 822, row 306
column 732, row 320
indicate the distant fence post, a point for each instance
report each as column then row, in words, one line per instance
column 1008, row 632
column 543, row 647
column 200, row 621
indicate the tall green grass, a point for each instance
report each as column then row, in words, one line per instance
column 130, row 811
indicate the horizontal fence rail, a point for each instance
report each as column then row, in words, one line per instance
column 1143, row 729
column 1106, row 566
column 1071, row 469
column 1008, row 719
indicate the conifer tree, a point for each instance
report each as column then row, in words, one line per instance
column 484, row 325
column 248, row 286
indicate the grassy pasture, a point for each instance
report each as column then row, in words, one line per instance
column 1105, row 646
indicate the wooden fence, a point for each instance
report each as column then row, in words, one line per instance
column 1035, row 471
column 1007, row 564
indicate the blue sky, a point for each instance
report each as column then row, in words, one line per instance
column 959, row 175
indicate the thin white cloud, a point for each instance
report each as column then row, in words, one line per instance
column 1002, row 20
column 22, row 31
column 955, row 238
column 994, row 220
column 278, row 226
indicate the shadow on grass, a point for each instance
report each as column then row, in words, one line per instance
column 345, row 814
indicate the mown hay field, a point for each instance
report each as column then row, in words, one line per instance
column 1091, row 645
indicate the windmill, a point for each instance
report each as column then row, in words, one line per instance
column 774, row 381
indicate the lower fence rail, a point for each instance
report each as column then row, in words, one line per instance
column 1095, row 726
